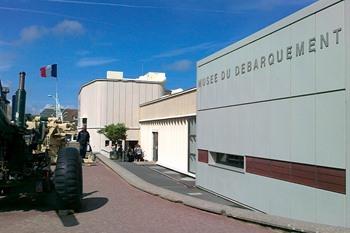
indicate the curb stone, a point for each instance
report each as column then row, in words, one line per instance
column 281, row 223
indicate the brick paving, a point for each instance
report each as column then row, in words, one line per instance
column 112, row 205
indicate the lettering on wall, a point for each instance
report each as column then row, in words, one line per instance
column 299, row 49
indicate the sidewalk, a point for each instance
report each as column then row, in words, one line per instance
column 172, row 186
column 173, row 181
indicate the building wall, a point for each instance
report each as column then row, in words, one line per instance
column 107, row 101
column 172, row 143
column 181, row 104
column 290, row 117
column 347, row 65
column 169, row 117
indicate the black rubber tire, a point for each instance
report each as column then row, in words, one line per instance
column 68, row 179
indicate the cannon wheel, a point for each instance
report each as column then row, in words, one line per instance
column 68, row 179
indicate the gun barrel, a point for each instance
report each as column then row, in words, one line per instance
column 20, row 101
column 22, row 77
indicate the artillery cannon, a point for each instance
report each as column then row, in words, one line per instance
column 56, row 137
column 25, row 162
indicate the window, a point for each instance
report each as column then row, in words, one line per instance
column 228, row 161
column 85, row 121
column 107, row 143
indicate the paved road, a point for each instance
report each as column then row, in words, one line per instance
column 173, row 181
column 111, row 205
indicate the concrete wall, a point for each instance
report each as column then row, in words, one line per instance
column 180, row 104
column 169, row 117
column 294, row 110
column 107, row 101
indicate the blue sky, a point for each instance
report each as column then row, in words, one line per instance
column 86, row 38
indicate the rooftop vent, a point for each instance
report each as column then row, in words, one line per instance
column 114, row 75
column 153, row 76
column 178, row 90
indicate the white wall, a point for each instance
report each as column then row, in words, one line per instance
column 296, row 111
column 172, row 143
column 105, row 102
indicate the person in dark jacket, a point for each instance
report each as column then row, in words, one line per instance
column 83, row 139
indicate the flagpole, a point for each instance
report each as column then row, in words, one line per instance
column 51, row 71
column 58, row 106
column 56, row 98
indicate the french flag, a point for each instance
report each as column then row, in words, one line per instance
column 49, row 71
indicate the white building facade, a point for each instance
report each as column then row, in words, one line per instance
column 273, row 117
column 116, row 100
column 168, row 131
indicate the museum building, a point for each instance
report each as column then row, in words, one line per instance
column 273, row 117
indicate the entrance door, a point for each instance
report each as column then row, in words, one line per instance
column 155, row 146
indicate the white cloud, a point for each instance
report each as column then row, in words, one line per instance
column 68, row 27
column 185, row 50
column 35, row 32
column 5, row 67
column 32, row 33
column 181, row 65
column 95, row 61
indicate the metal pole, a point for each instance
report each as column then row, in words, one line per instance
column 56, row 96
column 58, row 106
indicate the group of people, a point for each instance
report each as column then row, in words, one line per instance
column 132, row 153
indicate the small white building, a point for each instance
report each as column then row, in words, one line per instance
column 168, row 131
column 116, row 100
column 273, row 117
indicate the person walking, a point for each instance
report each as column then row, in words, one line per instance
column 138, row 153
column 130, row 154
column 83, row 139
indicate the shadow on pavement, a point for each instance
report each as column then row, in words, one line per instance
column 28, row 202
column 47, row 202
column 92, row 203
column 89, row 194
column 68, row 220
column 87, row 205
